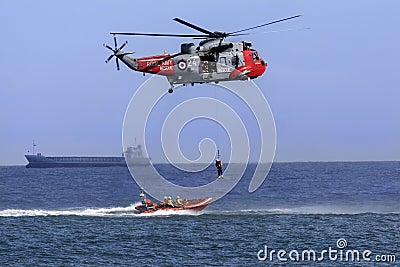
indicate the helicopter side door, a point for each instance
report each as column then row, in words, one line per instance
column 224, row 65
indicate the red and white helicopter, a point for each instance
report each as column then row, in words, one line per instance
column 213, row 60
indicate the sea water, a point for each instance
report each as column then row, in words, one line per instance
column 85, row 217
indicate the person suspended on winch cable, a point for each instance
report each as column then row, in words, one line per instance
column 218, row 164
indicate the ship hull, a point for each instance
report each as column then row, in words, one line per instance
column 40, row 161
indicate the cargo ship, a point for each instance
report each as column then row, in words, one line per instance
column 133, row 156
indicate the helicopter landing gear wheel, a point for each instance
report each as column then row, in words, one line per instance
column 171, row 89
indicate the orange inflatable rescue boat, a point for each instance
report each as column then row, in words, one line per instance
column 149, row 206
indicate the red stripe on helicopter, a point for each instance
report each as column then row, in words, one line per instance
column 160, row 64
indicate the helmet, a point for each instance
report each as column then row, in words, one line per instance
column 169, row 198
column 178, row 197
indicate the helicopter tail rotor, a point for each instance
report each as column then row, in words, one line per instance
column 117, row 52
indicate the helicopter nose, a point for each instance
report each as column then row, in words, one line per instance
column 258, row 69
column 263, row 63
column 262, row 66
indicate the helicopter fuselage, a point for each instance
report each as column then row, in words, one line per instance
column 211, row 61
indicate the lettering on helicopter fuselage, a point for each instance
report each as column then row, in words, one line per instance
column 152, row 63
column 223, row 69
column 166, row 68
column 168, row 62
column 191, row 62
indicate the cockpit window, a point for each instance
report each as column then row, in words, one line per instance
column 255, row 56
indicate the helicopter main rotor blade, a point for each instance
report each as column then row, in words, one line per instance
column 284, row 30
column 168, row 57
column 197, row 28
column 263, row 25
column 172, row 56
column 160, row 34
column 207, row 34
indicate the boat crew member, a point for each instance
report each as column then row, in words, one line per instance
column 218, row 164
column 143, row 197
column 170, row 202
column 179, row 201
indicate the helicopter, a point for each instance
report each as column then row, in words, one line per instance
column 213, row 60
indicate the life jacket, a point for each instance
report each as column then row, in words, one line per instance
column 218, row 163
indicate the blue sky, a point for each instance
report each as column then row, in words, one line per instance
column 333, row 89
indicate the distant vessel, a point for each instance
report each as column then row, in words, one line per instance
column 133, row 156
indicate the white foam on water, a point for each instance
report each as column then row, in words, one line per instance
column 93, row 212
column 306, row 210
column 130, row 211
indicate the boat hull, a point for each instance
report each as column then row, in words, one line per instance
column 40, row 161
column 192, row 205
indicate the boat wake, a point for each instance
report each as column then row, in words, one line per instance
column 92, row 212
column 99, row 212
column 306, row 210
column 129, row 211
